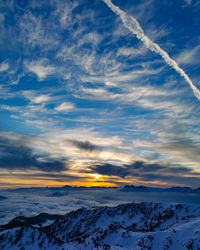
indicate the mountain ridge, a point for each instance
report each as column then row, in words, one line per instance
column 129, row 187
column 128, row 226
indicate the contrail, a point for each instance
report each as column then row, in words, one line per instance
column 133, row 26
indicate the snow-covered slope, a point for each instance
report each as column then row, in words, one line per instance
column 135, row 226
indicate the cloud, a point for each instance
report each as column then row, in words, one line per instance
column 64, row 143
column 174, row 140
column 10, row 108
column 119, row 78
column 85, row 145
column 35, row 31
column 65, row 107
column 124, row 91
column 40, row 68
column 92, row 38
column 133, row 26
column 36, row 98
column 189, row 56
column 130, row 51
column 16, row 154
column 2, row 18
column 63, row 11
column 79, row 146
column 147, row 97
column 188, row 2
column 42, row 200
column 4, row 66
column 6, row 92
column 187, row 149
column 145, row 171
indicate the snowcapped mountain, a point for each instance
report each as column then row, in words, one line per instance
column 178, row 189
column 134, row 226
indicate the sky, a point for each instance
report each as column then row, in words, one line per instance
column 87, row 97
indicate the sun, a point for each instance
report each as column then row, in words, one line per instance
column 97, row 176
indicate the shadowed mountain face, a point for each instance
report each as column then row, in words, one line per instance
column 37, row 220
column 128, row 226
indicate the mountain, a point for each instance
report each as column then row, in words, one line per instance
column 38, row 220
column 133, row 188
column 65, row 190
column 178, row 189
column 134, row 226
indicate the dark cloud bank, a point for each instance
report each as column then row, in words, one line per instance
column 149, row 172
column 15, row 154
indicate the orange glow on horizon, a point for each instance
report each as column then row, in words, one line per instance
column 90, row 180
column 15, row 183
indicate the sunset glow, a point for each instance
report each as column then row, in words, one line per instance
column 99, row 93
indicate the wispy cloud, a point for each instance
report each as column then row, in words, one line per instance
column 188, row 2
column 65, row 107
column 131, row 51
column 40, row 68
column 4, row 66
column 37, row 99
column 117, row 78
column 189, row 56
column 79, row 86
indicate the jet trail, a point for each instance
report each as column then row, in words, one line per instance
column 133, row 26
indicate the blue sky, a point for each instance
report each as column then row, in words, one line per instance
column 84, row 102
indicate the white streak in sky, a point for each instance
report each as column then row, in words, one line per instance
column 133, row 26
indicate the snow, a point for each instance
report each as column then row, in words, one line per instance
column 134, row 226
